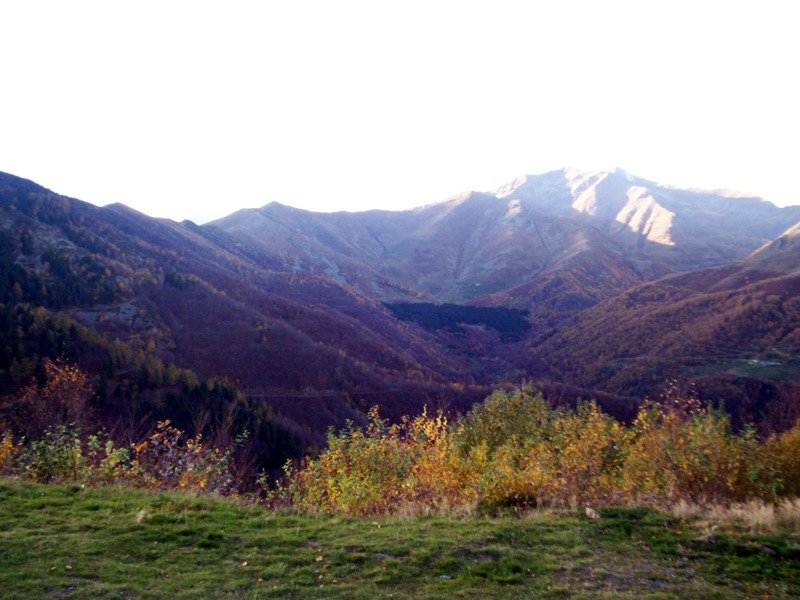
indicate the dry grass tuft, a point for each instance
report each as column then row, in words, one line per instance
column 789, row 515
column 753, row 516
column 684, row 510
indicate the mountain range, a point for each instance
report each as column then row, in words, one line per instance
column 593, row 284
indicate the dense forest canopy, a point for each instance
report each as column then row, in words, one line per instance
column 511, row 323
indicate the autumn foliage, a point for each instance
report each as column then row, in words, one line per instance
column 383, row 469
column 62, row 398
column 55, row 446
column 515, row 450
column 165, row 460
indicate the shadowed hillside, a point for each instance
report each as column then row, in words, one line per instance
column 735, row 330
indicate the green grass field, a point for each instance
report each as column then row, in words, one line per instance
column 69, row 542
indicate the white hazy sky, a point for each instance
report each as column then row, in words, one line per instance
column 196, row 109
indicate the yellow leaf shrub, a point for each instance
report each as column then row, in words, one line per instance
column 7, row 453
column 783, row 451
column 680, row 450
column 515, row 450
column 590, row 447
column 384, row 469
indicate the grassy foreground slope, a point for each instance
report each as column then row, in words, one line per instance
column 66, row 541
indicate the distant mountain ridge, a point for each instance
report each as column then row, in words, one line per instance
column 577, row 236
column 468, row 247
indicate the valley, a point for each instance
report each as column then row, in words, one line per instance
column 596, row 285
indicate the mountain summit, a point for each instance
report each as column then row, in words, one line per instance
column 686, row 229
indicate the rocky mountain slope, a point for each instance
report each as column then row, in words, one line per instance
column 684, row 229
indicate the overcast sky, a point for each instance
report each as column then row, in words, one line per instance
column 196, row 109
